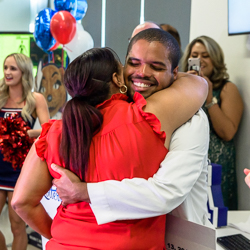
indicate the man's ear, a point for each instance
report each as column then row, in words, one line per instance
column 116, row 81
column 175, row 72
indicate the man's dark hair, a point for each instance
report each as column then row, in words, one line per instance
column 163, row 37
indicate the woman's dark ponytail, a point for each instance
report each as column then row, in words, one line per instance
column 77, row 136
column 87, row 79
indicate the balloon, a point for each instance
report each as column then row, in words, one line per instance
column 77, row 8
column 63, row 27
column 68, row 5
column 42, row 34
column 81, row 10
column 81, row 42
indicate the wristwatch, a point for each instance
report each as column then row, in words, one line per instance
column 214, row 101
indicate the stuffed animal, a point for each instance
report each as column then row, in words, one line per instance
column 49, row 82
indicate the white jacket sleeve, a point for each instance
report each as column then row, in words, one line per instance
column 139, row 198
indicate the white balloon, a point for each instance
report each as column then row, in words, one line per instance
column 81, row 42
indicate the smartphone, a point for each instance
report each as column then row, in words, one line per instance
column 194, row 64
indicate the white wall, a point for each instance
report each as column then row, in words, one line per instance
column 14, row 15
column 210, row 18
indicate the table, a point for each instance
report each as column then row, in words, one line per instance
column 233, row 217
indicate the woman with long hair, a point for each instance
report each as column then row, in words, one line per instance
column 16, row 97
column 224, row 107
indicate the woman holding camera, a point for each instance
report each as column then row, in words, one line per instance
column 224, row 107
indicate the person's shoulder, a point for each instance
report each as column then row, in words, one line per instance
column 49, row 138
column 52, row 129
column 230, row 90
column 56, row 125
column 229, row 86
column 38, row 96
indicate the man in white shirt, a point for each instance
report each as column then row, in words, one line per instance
column 179, row 186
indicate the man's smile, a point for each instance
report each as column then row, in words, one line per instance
column 140, row 84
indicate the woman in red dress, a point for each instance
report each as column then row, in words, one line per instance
column 101, row 136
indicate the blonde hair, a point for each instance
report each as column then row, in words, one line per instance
column 24, row 63
column 216, row 55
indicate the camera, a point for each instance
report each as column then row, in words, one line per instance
column 194, row 64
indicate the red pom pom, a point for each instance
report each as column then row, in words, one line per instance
column 14, row 140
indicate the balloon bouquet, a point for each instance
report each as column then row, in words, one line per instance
column 63, row 26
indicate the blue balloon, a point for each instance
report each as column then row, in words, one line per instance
column 68, row 5
column 81, row 10
column 42, row 34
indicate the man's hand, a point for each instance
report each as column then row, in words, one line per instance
column 247, row 178
column 69, row 186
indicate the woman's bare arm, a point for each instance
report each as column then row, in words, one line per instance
column 42, row 113
column 33, row 183
column 226, row 118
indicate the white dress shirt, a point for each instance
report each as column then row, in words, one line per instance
column 179, row 186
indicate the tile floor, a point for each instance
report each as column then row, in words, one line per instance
column 5, row 229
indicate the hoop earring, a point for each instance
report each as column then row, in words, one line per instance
column 125, row 87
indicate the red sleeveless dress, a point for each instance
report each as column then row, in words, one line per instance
column 129, row 144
